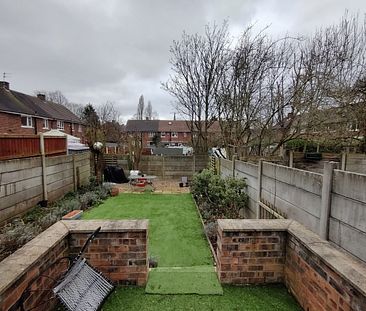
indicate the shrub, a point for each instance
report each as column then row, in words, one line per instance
column 15, row 235
column 218, row 197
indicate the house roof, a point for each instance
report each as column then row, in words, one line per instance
column 173, row 126
column 9, row 103
column 16, row 102
column 142, row 126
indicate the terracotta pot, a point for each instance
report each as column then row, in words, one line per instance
column 114, row 191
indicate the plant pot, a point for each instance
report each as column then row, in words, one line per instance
column 114, row 191
column 73, row 215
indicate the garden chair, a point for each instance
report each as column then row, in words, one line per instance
column 82, row 288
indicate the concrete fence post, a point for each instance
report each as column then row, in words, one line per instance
column 74, row 172
column 259, row 188
column 44, row 172
column 291, row 160
column 344, row 161
column 326, row 199
column 233, row 165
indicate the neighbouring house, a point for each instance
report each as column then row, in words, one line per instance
column 22, row 114
column 166, row 132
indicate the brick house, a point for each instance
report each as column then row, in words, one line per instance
column 170, row 132
column 173, row 132
column 22, row 114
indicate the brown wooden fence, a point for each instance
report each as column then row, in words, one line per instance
column 15, row 146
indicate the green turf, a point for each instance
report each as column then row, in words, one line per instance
column 175, row 232
column 200, row 280
column 250, row 298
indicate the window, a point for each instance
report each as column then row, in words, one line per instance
column 162, row 134
column 60, row 125
column 72, row 127
column 80, row 128
column 27, row 121
column 151, row 134
column 45, row 123
column 185, row 134
column 175, row 134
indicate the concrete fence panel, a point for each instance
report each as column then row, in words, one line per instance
column 356, row 163
column 294, row 193
column 348, row 212
column 21, row 181
column 249, row 171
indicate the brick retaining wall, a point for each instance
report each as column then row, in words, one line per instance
column 119, row 251
column 251, row 257
column 120, row 256
column 321, row 277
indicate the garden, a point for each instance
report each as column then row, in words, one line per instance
column 182, row 274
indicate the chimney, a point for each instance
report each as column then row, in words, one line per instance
column 4, row 85
column 41, row 96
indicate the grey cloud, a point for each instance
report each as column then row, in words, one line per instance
column 98, row 51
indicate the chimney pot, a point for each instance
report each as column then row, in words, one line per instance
column 41, row 96
column 4, row 84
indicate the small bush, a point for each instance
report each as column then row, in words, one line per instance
column 218, row 197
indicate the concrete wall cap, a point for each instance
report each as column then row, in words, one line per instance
column 254, row 224
column 82, row 226
column 13, row 266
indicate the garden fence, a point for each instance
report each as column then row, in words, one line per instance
column 332, row 204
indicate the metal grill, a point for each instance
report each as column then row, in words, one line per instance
column 83, row 288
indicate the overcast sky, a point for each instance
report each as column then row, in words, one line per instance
column 115, row 50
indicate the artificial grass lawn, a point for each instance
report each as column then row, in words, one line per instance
column 176, row 239
column 176, row 236
column 250, row 298
column 184, row 280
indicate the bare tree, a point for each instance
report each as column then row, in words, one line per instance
column 148, row 113
column 140, row 109
column 110, row 127
column 59, row 98
column 198, row 62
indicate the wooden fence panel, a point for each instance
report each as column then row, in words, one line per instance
column 16, row 146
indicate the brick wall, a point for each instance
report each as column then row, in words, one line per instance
column 251, row 257
column 122, row 256
column 321, row 277
column 11, row 124
column 119, row 251
column 315, row 284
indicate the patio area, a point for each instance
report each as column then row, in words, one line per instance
column 167, row 186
